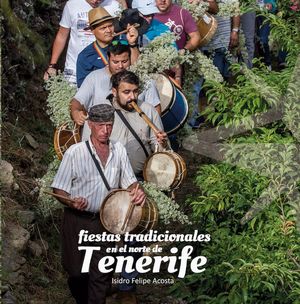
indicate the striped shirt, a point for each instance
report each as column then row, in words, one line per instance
column 79, row 176
column 221, row 38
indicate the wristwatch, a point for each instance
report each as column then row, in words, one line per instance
column 235, row 29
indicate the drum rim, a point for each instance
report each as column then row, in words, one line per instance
column 63, row 127
column 210, row 33
column 183, row 168
column 183, row 121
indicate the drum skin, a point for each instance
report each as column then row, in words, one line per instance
column 64, row 137
column 207, row 26
column 165, row 169
column 174, row 105
column 166, row 91
column 114, row 209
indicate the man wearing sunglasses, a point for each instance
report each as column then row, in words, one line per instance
column 94, row 56
column 96, row 86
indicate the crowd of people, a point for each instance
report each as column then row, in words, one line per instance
column 116, row 141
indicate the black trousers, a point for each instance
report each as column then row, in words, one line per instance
column 86, row 288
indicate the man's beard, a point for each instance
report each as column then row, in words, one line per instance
column 127, row 106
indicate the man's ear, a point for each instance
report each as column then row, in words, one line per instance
column 89, row 123
column 114, row 91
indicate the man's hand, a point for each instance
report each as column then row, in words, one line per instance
column 50, row 72
column 137, row 194
column 132, row 34
column 161, row 137
column 80, row 203
column 268, row 6
column 234, row 39
column 79, row 117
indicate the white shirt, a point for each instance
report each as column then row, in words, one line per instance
column 112, row 6
column 79, row 176
column 75, row 18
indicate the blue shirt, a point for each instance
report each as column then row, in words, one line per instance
column 88, row 60
column 155, row 29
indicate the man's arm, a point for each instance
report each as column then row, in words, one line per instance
column 59, row 44
column 78, row 112
column 234, row 36
column 132, row 36
column 137, row 194
column 193, row 42
column 79, row 203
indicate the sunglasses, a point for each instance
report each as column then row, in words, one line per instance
column 119, row 42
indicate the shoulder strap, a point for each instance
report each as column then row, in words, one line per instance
column 100, row 53
column 181, row 16
column 98, row 166
column 132, row 131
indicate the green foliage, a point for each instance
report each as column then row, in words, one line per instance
column 48, row 204
column 253, row 263
column 30, row 44
column 226, row 189
column 229, row 105
column 169, row 210
column 58, row 101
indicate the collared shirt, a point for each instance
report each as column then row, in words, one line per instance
column 89, row 60
column 121, row 134
column 79, row 176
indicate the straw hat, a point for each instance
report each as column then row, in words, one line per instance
column 98, row 15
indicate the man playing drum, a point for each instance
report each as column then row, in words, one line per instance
column 139, row 144
column 78, row 177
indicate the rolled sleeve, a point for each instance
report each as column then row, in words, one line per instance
column 85, row 93
column 66, row 20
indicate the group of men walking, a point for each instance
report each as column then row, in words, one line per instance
column 115, row 140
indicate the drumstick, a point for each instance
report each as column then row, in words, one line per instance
column 129, row 211
column 136, row 25
column 127, row 217
column 71, row 200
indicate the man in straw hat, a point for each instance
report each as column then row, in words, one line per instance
column 94, row 56
column 79, row 178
